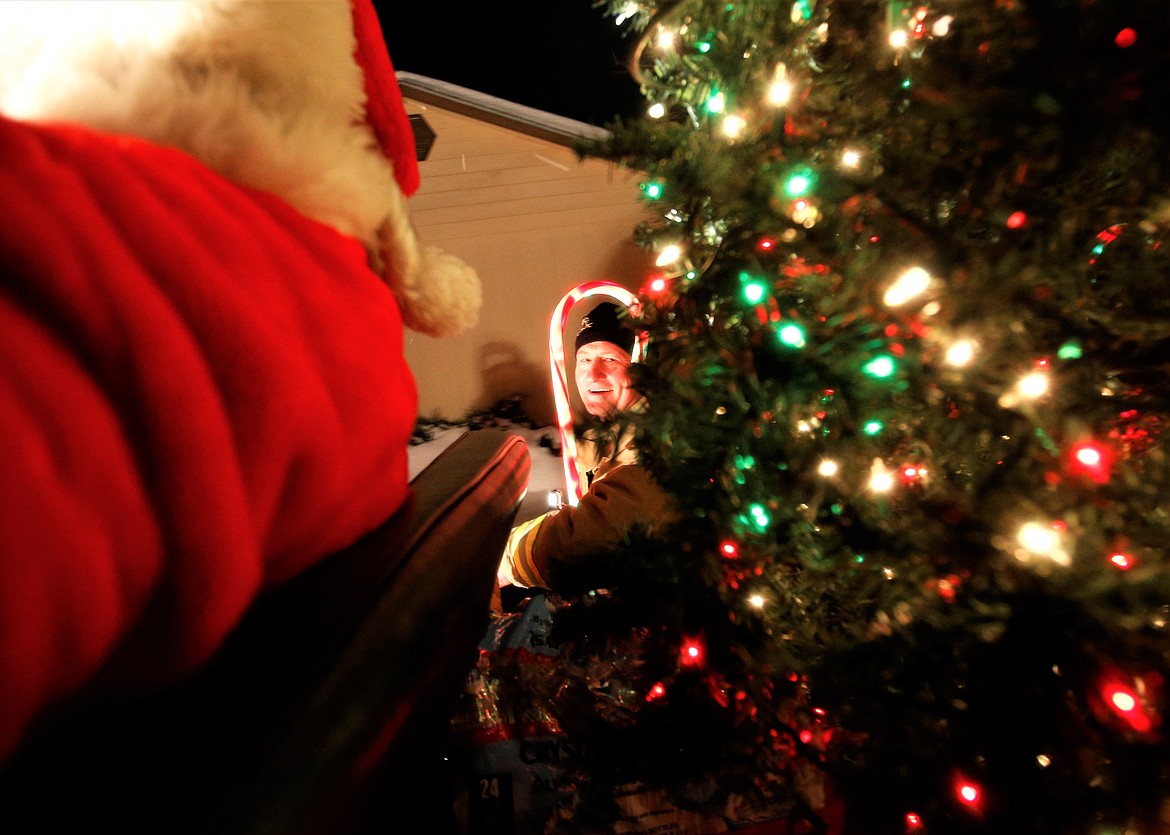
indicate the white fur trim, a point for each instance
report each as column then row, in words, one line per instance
column 439, row 294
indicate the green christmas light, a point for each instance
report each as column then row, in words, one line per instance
column 754, row 288
column 717, row 103
column 800, row 182
column 792, row 336
column 652, row 189
column 873, row 427
column 1070, row 350
column 802, row 11
column 881, row 367
column 759, row 520
column 703, row 46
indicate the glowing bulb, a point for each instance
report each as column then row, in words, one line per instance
column 961, row 353
column 1037, row 538
column 665, row 39
column 881, row 480
column 780, row 90
column 942, row 26
column 716, row 103
column 880, row 367
column 1125, row 703
column 914, row 282
column 734, row 126
column 1089, row 456
column 792, row 336
column 1033, row 385
column 669, row 255
column 1122, row 561
column 800, row 182
column 828, row 468
column 656, row 110
column 756, row 601
column 850, row 159
column 692, row 653
column 898, row 38
column 969, row 793
column 657, row 691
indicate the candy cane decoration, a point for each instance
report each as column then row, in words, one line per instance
column 560, row 377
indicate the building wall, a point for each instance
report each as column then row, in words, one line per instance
column 534, row 221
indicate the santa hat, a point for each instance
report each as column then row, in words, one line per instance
column 296, row 99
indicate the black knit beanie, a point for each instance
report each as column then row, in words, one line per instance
column 602, row 324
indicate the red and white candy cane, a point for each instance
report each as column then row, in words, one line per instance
column 560, row 376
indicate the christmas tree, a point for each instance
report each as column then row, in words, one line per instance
column 906, row 378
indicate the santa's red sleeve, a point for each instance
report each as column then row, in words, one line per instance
column 202, row 392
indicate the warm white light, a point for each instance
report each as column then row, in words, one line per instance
column 733, row 126
column 1044, row 760
column 898, row 38
column 665, row 39
column 757, row 601
column 1033, row 385
column 656, row 110
column 931, row 308
column 1038, row 538
column 1042, row 540
column 669, row 255
column 881, row 480
column 961, row 353
column 780, row 90
column 942, row 26
column 828, row 468
column 913, row 282
column 850, row 159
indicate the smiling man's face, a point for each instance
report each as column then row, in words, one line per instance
column 602, row 378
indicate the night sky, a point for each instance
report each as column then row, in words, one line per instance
column 561, row 56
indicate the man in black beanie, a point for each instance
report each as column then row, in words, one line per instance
column 604, row 346
column 562, row 549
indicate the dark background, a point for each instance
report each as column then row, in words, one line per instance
column 561, row 56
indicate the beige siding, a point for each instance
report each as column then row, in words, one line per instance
column 534, row 221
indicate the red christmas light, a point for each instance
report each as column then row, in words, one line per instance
column 656, row 285
column 1124, row 702
column 913, row 822
column 968, row 793
column 1127, row 37
column 692, row 653
column 657, row 691
column 1016, row 220
column 1122, row 560
column 729, row 549
column 765, row 244
column 1090, row 459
